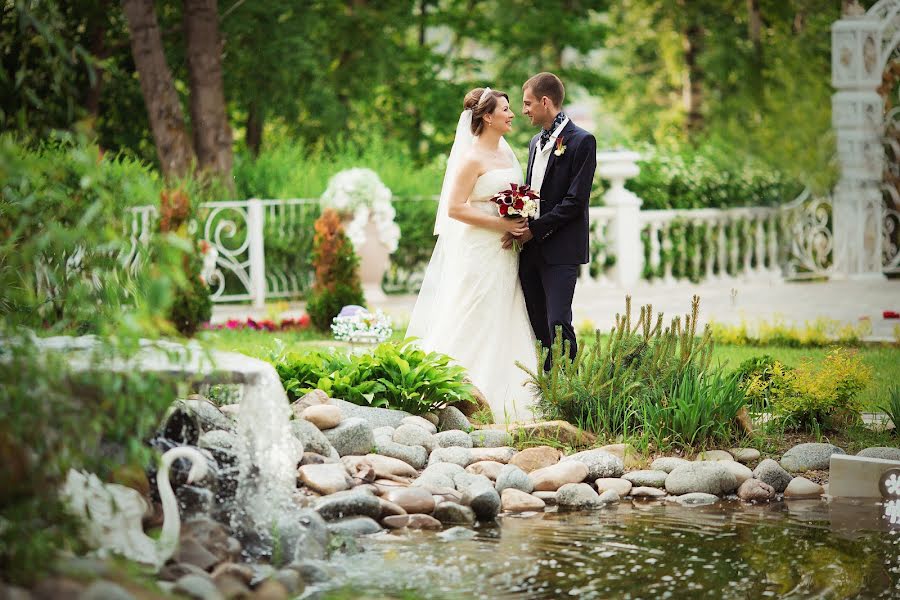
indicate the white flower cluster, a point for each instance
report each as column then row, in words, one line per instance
column 362, row 327
column 361, row 192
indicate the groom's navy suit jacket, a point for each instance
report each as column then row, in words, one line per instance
column 561, row 232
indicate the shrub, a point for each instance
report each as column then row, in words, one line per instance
column 394, row 375
column 819, row 332
column 643, row 380
column 821, row 397
column 337, row 281
column 762, row 378
column 891, row 407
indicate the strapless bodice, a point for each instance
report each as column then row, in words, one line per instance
column 489, row 183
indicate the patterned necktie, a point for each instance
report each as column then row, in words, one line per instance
column 545, row 133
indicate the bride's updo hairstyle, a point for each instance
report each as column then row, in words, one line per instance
column 480, row 108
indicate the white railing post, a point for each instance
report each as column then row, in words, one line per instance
column 619, row 167
column 255, row 221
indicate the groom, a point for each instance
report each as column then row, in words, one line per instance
column 561, row 163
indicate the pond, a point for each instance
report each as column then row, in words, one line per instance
column 795, row 549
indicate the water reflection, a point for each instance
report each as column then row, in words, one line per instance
column 798, row 549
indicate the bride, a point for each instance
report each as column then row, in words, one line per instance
column 471, row 305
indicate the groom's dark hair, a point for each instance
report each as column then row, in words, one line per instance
column 546, row 84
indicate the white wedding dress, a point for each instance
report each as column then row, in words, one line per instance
column 471, row 306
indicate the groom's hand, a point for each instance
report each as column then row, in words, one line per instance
column 526, row 237
column 507, row 240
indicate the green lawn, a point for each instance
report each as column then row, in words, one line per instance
column 884, row 360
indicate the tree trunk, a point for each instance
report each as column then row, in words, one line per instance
column 754, row 31
column 255, row 120
column 212, row 134
column 98, row 49
column 692, row 86
column 173, row 145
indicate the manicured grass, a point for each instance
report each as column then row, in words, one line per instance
column 884, row 360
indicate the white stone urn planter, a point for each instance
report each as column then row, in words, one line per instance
column 365, row 202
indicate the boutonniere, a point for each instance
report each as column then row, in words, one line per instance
column 560, row 148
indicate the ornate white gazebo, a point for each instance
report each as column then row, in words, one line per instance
column 865, row 218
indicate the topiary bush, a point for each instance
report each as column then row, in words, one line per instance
column 337, row 280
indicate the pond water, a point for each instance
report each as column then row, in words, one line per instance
column 796, row 549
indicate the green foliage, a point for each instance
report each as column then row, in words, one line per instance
column 891, row 407
column 394, row 375
column 642, row 380
column 761, row 378
column 417, row 240
column 337, row 281
column 818, row 333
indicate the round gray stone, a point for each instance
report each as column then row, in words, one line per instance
column 809, row 457
column 667, row 463
column 694, row 499
column 105, row 590
column 420, row 422
column 414, row 456
column 453, row 438
column 706, row 477
column 647, row 478
column 744, row 455
column 609, row 497
column 770, row 472
column 197, row 587
column 882, row 452
column 490, row 438
column 352, row 436
column 413, row 435
column 600, row 463
column 483, row 499
column 456, row 455
column 374, row 416
column 451, row 513
column 513, row 477
column 440, row 475
column 312, row 439
column 451, row 418
column 577, row 495
column 351, row 503
column 354, row 526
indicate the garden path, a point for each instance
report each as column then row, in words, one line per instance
column 792, row 303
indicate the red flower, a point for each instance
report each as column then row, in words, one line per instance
column 504, row 209
column 891, row 314
column 519, row 204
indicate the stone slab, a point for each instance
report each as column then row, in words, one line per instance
column 857, row 476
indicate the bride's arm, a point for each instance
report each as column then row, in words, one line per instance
column 458, row 208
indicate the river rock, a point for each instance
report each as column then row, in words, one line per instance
column 801, row 487
column 352, row 436
column 98, row 590
column 289, row 578
column 384, row 430
column 502, row 454
column 667, row 464
column 210, row 535
column 414, row 456
column 647, row 492
column 389, row 509
column 311, row 437
column 385, row 466
column 451, row 418
column 483, row 500
column 609, row 497
column 647, row 478
column 323, row 416
column 549, row 498
column 452, row 513
column 770, row 472
column 600, row 463
column 809, row 457
column 490, row 438
column 311, row 458
column 577, row 495
column 351, row 503
column 741, row 472
column 314, row 398
column 620, row 486
column 374, row 416
column 754, row 490
column 881, row 452
column 531, row 459
column 512, row 477
column 420, row 422
column 354, row 526
column 455, row 455
column 744, row 455
column 695, row 499
column 451, row 438
column 413, row 435
column 325, row 478
column 554, row 477
column 465, row 480
column 706, row 477
column 627, row 453
column 439, row 475
column 489, row 468
column 413, row 521
column 197, row 587
column 714, row 456
column 412, row 499
column 514, row 500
